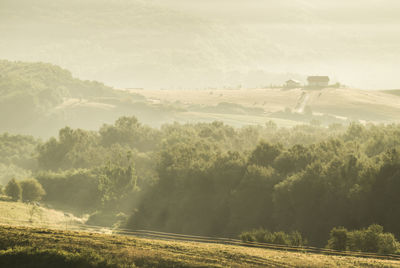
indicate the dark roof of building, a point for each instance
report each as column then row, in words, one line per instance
column 318, row 79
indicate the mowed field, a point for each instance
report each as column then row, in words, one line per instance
column 344, row 103
column 127, row 251
column 32, row 243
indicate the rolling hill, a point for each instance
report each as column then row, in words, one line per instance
column 40, row 98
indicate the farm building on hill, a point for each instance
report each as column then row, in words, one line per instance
column 318, row 81
column 292, row 83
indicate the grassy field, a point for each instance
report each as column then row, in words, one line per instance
column 236, row 120
column 17, row 213
column 269, row 99
column 241, row 107
column 354, row 104
column 97, row 250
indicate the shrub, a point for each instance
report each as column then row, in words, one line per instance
column 356, row 240
column 32, row 190
column 280, row 238
column 247, row 237
column 296, row 239
column 263, row 236
column 372, row 239
column 13, row 189
column 387, row 243
column 338, row 238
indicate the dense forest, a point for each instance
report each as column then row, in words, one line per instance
column 213, row 179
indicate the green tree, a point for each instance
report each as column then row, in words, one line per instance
column 116, row 184
column 254, row 191
column 32, row 190
column 73, row 149
column 295, row 159
column 264, row 154
column 128, row 131
column 13, row 189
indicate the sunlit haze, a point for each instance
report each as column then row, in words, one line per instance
column 201, row 44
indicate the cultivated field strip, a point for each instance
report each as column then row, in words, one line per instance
column 202, row 239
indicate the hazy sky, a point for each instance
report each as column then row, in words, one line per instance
column 287, row 11
column 191, row 43
column 357, row 41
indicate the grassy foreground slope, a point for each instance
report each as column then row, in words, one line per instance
column 22, row 213
column 27, row 247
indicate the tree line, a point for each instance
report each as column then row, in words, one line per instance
column 213, row 179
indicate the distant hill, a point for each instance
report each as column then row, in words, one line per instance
column 49, row 82
column 39, row 98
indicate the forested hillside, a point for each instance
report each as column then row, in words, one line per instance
column 31, row 93
column 17, row 156
column 213, row 179
column 40, row 98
